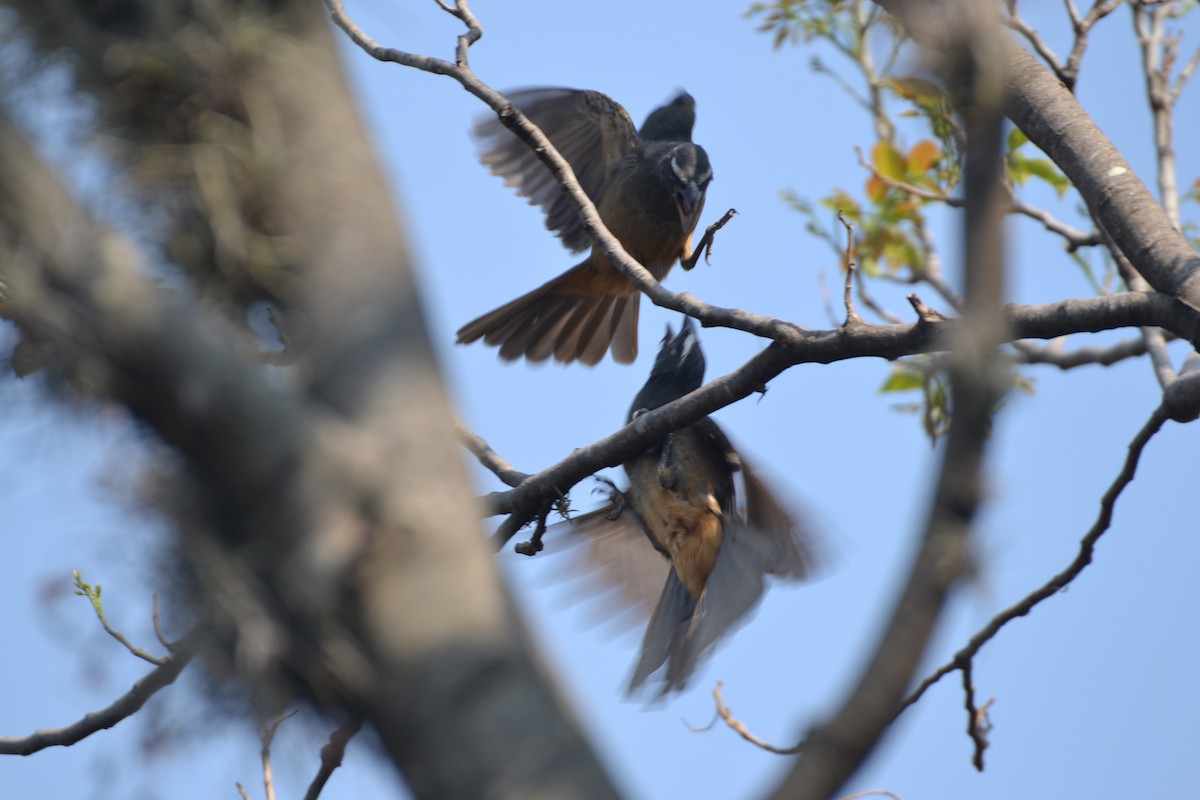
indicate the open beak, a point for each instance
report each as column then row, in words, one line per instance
column 687, row 199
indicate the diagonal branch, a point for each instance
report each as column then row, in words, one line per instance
column 1048, row 321
column 1087, row 547
column 124, row 706
column 1054, row 121
column 709, row 315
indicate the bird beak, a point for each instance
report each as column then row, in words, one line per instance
column 687, row 198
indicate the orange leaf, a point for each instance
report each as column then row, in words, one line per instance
column 876, row 189
column 923, row 155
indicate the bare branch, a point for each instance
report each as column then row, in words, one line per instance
column 740, row 728
column 1054, row 121
column 1054, row 355
column 1099, row 10
column 1047, row 321
column 977, row 724
column 1030, row 33
column 158, row 630
column 1087, row 547
column 125, row 706
column 1075, row 237
column 852, row 317
column 488, row 457
column 92, row 593
column 964, row 37
column 1158, row 56
column 514, row 120
column 331, row 756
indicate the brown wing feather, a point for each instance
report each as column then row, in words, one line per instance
column 611, row 562
column 591, row 130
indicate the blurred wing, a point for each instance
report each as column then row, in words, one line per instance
column 612, row 565
column 793, row 555
column 684, row 631
column 591, row 130
column 794, row 552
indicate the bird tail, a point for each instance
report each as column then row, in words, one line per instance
column 557, row 319
column 683, row 630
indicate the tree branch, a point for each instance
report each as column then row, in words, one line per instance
column 346, row 561
column 1048, row 321
column 1087, row 548
column 1054, row 121
column 125, row 706
column 331, row 756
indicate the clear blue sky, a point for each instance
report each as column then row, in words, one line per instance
column 1095, row 692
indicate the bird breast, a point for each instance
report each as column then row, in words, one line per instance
column 643, row 215
column 688, row 525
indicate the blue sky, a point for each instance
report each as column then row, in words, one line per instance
column 1095, row 692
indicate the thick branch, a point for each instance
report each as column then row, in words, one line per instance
column 345, row 526
column 964, row 36
column 1053, row 120
column 1048, row 321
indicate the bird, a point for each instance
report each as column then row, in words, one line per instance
column 682, row 509
column 649, row 187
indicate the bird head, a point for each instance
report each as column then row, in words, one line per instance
column 678, row 370
column 689, row 174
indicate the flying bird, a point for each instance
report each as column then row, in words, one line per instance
column 648, row 186
column 683, row 502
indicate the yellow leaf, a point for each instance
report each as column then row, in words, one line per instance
column 887, row 160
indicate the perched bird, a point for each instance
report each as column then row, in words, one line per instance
column 648, row 186
column 683, row 498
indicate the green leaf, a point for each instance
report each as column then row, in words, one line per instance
column 1044, row 168
column 1016, row 138
column 902, row 379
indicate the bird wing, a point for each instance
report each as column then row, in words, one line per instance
column 613, row 562
column 591, row 130
column 793, row 544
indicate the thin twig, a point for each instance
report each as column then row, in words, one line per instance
column 1075, row 238
column 1031, row 35
column 1054, row 355
column 852, row 317
column 266, row 734
column 486, row 456
column 869, row 301
column 726, row 714
column 1099, row 10
column 1058, row 582
column 92, row 593
column 158, row 630
column 976, row 724
column 331, row 756
column 602, row 238
column 125, row 706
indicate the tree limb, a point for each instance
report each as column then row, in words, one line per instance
column 124, row 706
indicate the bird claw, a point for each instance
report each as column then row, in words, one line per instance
column 615, row 496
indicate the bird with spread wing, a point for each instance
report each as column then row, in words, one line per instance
column 648, row 186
